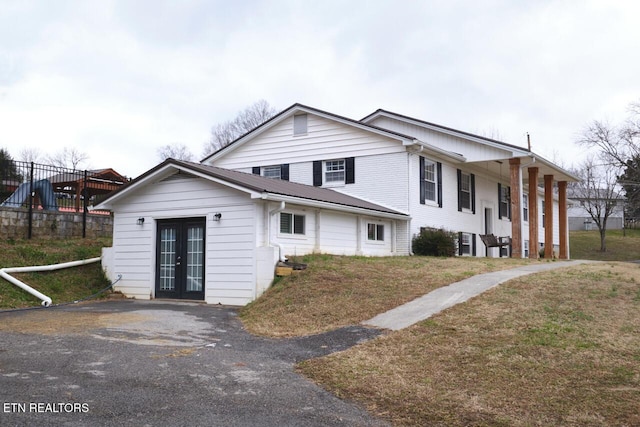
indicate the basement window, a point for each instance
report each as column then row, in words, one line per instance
column 291, row 224
column 375, row 232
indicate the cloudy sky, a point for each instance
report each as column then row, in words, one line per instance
column 118, row 79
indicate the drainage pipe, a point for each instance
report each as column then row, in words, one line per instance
column 272, row 241
column 46, row 301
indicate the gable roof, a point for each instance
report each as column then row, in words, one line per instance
column 258, row 187
column 493, row 142
column 297, row 108
column 545, row 166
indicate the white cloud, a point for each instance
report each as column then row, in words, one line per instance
column 119, row 79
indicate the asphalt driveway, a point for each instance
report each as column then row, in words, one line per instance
column 149, row 363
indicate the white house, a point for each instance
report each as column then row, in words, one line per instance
column 312, row 181
column 186, row 230
column 440, row 177
column 580, row 219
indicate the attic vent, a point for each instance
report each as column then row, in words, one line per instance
column 177, row 176
column 300, row 124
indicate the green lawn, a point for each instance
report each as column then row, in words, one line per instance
column 621, row 246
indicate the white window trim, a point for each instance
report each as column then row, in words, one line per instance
column 504, row 201
column 375, row 241
column 469, row 245
column 433, row 201
column 470, row 208
column 525, row 207
column 272, row 167
column 337, row 183
column 292, row 235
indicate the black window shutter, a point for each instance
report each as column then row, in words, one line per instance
column 423, row 189
column 499, row 201
column 460, row 243
column 459, row 190
column 473, row 193
column 509, row 202
column 284, row 172
column 439, row 170
column 256, row 170
column 350, row 170
column 473, row 244
column 317, row 173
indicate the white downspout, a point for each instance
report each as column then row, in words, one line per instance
column 271, row 240
column 46, row 301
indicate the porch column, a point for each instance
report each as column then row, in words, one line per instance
column 516, row 215
column 548, row 216
column 562, row 219
column 533, row 213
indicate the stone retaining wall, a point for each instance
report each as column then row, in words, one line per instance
column 14, row 223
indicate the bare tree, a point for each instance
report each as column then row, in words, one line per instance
column 67, row 158
column 30, row 155
column 597, row 193
column 246, row 120
column 177, row 151
column 616, row 144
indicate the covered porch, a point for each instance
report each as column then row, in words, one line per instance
column 532, row 175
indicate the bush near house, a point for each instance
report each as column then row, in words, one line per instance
column 434, row 242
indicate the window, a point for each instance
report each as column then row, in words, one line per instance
column 291, row 224
column 465, row 244
column 465, row 191
column 300, row 124
column 430, row 182
column 334, row 171
column 273, row 171
column 526, row 249
column 525, row 207
column 375, row 232
column 504, row 193
column 543, row 215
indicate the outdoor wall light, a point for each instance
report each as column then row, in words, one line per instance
column 140, row 220
column 217, row 216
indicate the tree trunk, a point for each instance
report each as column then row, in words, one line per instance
column 603, row 245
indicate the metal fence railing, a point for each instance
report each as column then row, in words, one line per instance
column 36, row 186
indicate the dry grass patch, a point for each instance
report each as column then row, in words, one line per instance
column 48, row 321
column 557, row 348
column 337, row 291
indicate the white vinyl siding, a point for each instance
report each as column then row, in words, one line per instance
column 325, row 140
column 472, row 151
column 230, row 243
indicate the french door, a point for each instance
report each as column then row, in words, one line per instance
column 180, row 247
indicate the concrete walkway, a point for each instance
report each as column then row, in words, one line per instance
column 442, row 298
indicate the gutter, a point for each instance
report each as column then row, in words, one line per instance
column 332, row 206
column 46, row 301
column 271, row 240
